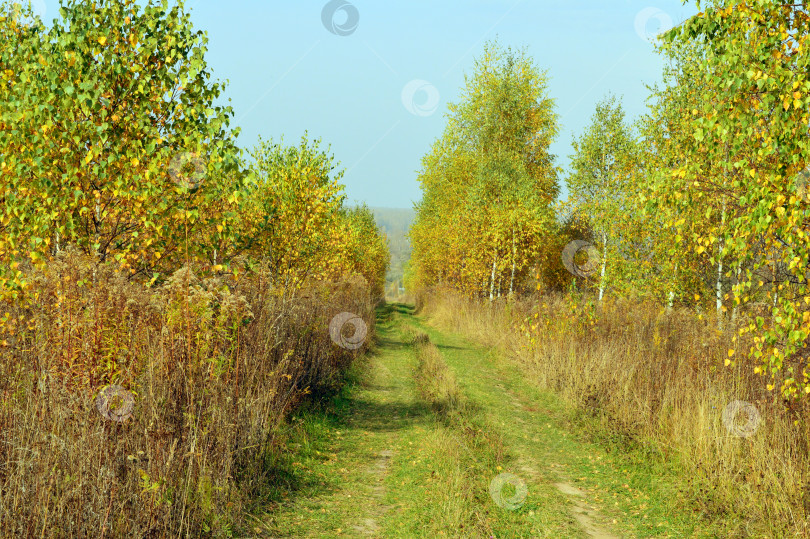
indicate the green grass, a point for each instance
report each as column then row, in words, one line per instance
column 632, row 490
column 382, row 460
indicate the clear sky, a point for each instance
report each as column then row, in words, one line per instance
column 373, row 78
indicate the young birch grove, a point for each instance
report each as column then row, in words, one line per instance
column 676, row 271
column 489, row 182
column 701, row 202
column 164, row 304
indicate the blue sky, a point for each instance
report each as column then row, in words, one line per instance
column 374, row 82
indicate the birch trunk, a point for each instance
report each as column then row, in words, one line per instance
column 604, row 266
column 492, row 279
column 512, row 279
column 672, row 293
column 719, row 286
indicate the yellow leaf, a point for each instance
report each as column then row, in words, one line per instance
column 89, row 157
column 730, row 352
column 102, row 41
column 728, row 362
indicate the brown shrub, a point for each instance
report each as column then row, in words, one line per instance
column 213, row 364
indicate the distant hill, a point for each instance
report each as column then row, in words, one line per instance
column 395, row 222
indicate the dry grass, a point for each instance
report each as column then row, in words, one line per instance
column 213, row 365
column 435, row 381
column 658, row 380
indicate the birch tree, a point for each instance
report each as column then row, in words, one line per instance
column 749, row 147
column 599, row 184
column 489, row 182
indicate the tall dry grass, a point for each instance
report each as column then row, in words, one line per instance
column 659, row 381
column 435, row 381
column 213, row 365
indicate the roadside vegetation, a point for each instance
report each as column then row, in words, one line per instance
column 667, row 296
column 194, row 339
column 164, row 306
